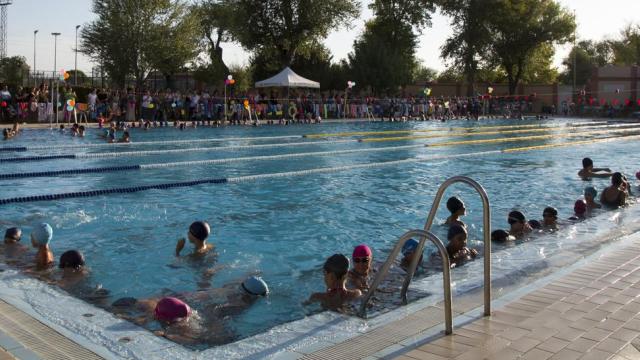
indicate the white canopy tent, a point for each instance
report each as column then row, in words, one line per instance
column 287, row 78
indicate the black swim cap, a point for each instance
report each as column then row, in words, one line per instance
column 337, row 264
column 586, row 162
column 200, row 230
column 455, row 230
column 13, row 233
column 500, row 235
column 550, row 210
column 516, row 216
column 616, row 179
column 535, row 224
column 454, row 204
column 72, row 259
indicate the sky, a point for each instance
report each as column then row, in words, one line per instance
column 596, row 19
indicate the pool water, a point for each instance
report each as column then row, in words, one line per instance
column 283, row 229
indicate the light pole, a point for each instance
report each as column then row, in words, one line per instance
column 75, row 74
column 35, row 81
column 54, row 99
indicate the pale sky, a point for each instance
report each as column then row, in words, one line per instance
column 597, row 19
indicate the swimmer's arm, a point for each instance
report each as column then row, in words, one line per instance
column 599, row 175
column 180, row 246
column 315, row 297
column 602, row 169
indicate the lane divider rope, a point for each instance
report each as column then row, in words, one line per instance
column 248, row 178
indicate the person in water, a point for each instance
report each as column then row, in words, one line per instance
column 580, row 210
column 502, row 236
column 335, row 278
column 615, row 195
column 40, row 237
column 359, row 276
column 72, row 261
column 198, row 234
column 409, row 250
column 519, row 224
column 550, row 218
column 126, row 138
column 590, row 194
column 457, row 209
column 237, row 298
column 12, row 236
column 588, row 171
column 457, row 248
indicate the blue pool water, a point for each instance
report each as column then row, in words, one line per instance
column 284, row 228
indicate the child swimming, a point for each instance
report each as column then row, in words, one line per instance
column 615, row 195
column 40, row 237
column 590, row 194
column 457, row 248
column 519, row 225
column 408, row 252
column 198, row 233
column 335, row 278
column 457, row 209
column 588, row 171
column 12, row 236
column 550, row 218
column 359, row 276
column 501, row 236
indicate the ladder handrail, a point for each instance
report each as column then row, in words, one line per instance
column 486, row 230
column 446, row 273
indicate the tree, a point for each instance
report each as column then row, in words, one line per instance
column 626, row 50
column 423, row 73
column 470, row 38
column 13, row 70
column 281, row 28
column 132, row 38
column 82, row 77
column 217, row 22
column 588, row 55
column 520, row 27
column 538, row 68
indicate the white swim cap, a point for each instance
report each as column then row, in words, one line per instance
column 255, row 286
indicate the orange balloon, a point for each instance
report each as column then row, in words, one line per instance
column 66, row 75
column 72, row 102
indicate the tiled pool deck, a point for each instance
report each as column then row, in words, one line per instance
column 591, row 311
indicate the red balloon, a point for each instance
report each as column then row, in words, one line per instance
column 616, row 101
column 590, row 101
column 603, row 101
column 627, row 102
column 638, row 101
column 3, row 104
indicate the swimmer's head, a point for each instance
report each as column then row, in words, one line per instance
column 587, row 163
column 337, row 264
column 72, row 259
column 590, row 192
column 580, row 207
column 454, row 205
column 12, row 235
column 516, row 217
column 409, row 247
column 549, row 216
column 616, row 179
column 535, row 224
column 41, row 234
column 361, row 251
column 171, row 310
column 199, row 230
column 501, row 236
column 255, row 286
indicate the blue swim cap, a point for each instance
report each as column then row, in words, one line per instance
column 255, row 286
column 591, row 191
column 42, row 234
column 410, row 246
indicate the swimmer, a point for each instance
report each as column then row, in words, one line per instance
column 125, row 138
column 335, row 278
column 588, row 171
column 519, row 224
column 457, row 209
column 12, row 236
column 40, row 237
column 81, row 130
column 408, row 251
column 72, row 261
column 237, row 298
column 590, row 194
column 359, row 276
column 7, row 134
column 580, row 209
column 615, row 195
column 535, row 224
column 457, row 248
column 198, row 233
column 502, row 236
column 550, row 218
column 61, row 127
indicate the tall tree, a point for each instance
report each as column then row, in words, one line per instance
column 470, row 37
column 13, row 70
column 626, row 50
column 520, row 27
column 132, row 38
column 587, row 55
column 283, row 27
column 217, row 21
column 538, row 68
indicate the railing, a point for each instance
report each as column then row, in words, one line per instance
column 486, row 230
column 392, row 256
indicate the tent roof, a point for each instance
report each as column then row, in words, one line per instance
column 287, row 78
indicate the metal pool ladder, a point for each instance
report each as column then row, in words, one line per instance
column 427, row 234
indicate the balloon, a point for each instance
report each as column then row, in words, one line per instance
column 246, row 104
column 3, row 104
column 69, row 108
column 489, row 89
column 150, row 106
column 603, row 102
column 61, row 78
column 173, row 105
column 62, row 71
column 627, row 102
column 232, row 81
column 66, row 75
column 72, row 102
column 638, row 101
column 230, row 77
column 427, row 91
column 353, row 83
column 616, row 101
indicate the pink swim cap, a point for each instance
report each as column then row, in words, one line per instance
column 580, row 207
column 361, row 251
column 171, row 309
column 638, row 175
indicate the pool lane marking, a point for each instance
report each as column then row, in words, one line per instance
column 174, row 142
column 296, row 155
column 248, row 178
column 389, row 132
column 265, row 146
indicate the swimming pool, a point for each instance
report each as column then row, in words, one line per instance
column 283, row 228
